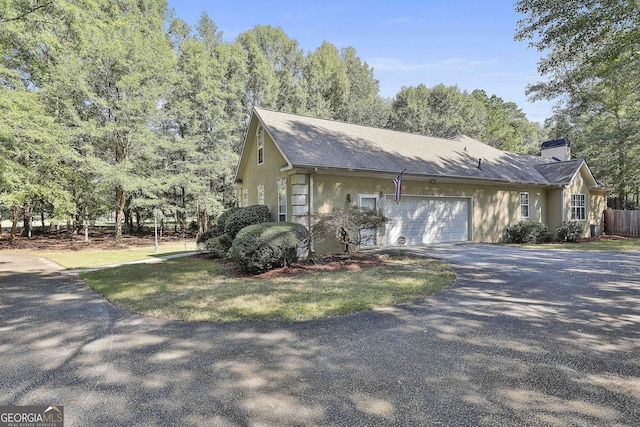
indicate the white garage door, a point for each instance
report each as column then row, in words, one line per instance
column 423, row 220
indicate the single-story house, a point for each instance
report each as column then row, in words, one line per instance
column 452, row 189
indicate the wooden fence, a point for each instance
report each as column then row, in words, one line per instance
column 622, row 223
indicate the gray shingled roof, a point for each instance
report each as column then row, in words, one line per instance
column 559, row 172
column 312, row 142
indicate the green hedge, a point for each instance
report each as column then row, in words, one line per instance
column 244, row 217
column 218, row 239
column 262, row 247
column 528, row 232
column 570, row 231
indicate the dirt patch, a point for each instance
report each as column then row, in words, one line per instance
column 98, row 239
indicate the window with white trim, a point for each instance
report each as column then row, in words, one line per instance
column 245, row 197
column 524, row 205
column 260, row 143
column 578, row 207
column 282, row 200
column 261, row 194
column 368, row 236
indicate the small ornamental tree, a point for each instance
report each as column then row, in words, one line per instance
column 348, row 225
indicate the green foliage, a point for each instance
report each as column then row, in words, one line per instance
column 262, row 247
column 528, row 232
column 275, row 63
column 217, row 247
column 506, row 127
column 113, row 106
column 220, row 237
column 363, row 105
column 244, row 217
column 215, row 239
column 570, row 231
column 591, row 61
column 209, row 234
column 442, row 111
column 582, row 41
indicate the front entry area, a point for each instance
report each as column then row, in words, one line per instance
column 423, row 220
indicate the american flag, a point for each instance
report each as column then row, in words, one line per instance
column 397, row 181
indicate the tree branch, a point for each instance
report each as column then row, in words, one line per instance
column 24, row 15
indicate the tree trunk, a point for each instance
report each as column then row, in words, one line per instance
column 139, row 223
column 183, row 214
column 120, row 199
column 85, row 223
column 14, row 225
column 42, row 220
column 202, row 221
column 28, row 221
column 70, row 229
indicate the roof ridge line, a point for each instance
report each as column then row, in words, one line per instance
column 371, row 127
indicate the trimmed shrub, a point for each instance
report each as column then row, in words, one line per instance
column 528, row 232
column 209, row 234
column 570, row 231
column 219, row 238
column 216, row 231
column 262, row 247
column 222, row 219
column 244, row 217
column 217, row 247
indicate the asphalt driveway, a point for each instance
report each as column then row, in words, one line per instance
column 523, row 338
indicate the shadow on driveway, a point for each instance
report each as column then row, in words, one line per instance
column 524, row 337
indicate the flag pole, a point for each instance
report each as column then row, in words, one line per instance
column 397, row 181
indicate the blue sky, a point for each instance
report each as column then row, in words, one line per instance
column 468, row 43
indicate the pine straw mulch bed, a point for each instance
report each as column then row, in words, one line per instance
column 604, row 237
column 354, row 261
column 98, row 239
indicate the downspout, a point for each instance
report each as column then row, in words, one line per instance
column 564, row 206
column 312, row 247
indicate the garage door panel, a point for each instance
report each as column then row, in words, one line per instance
column 423, row 220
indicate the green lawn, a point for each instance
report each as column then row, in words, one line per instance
column 96, row 258
column 195, row 289
column 623, row 244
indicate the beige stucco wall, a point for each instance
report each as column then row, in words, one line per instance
column 555, row 213
column 595, row 200
column 268, row 173
column 494, row 208
column 597, row 206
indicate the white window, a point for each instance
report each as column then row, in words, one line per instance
column 282, row 200
column 245, row 197
column 368, row 236
column 524, row 205
column 578, row 207
column 261, row 194
column 260, row 138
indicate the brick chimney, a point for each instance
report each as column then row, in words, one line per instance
column 558, row 149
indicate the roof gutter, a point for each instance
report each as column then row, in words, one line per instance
column 448, row 179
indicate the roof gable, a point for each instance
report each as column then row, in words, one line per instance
column 560, row 172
